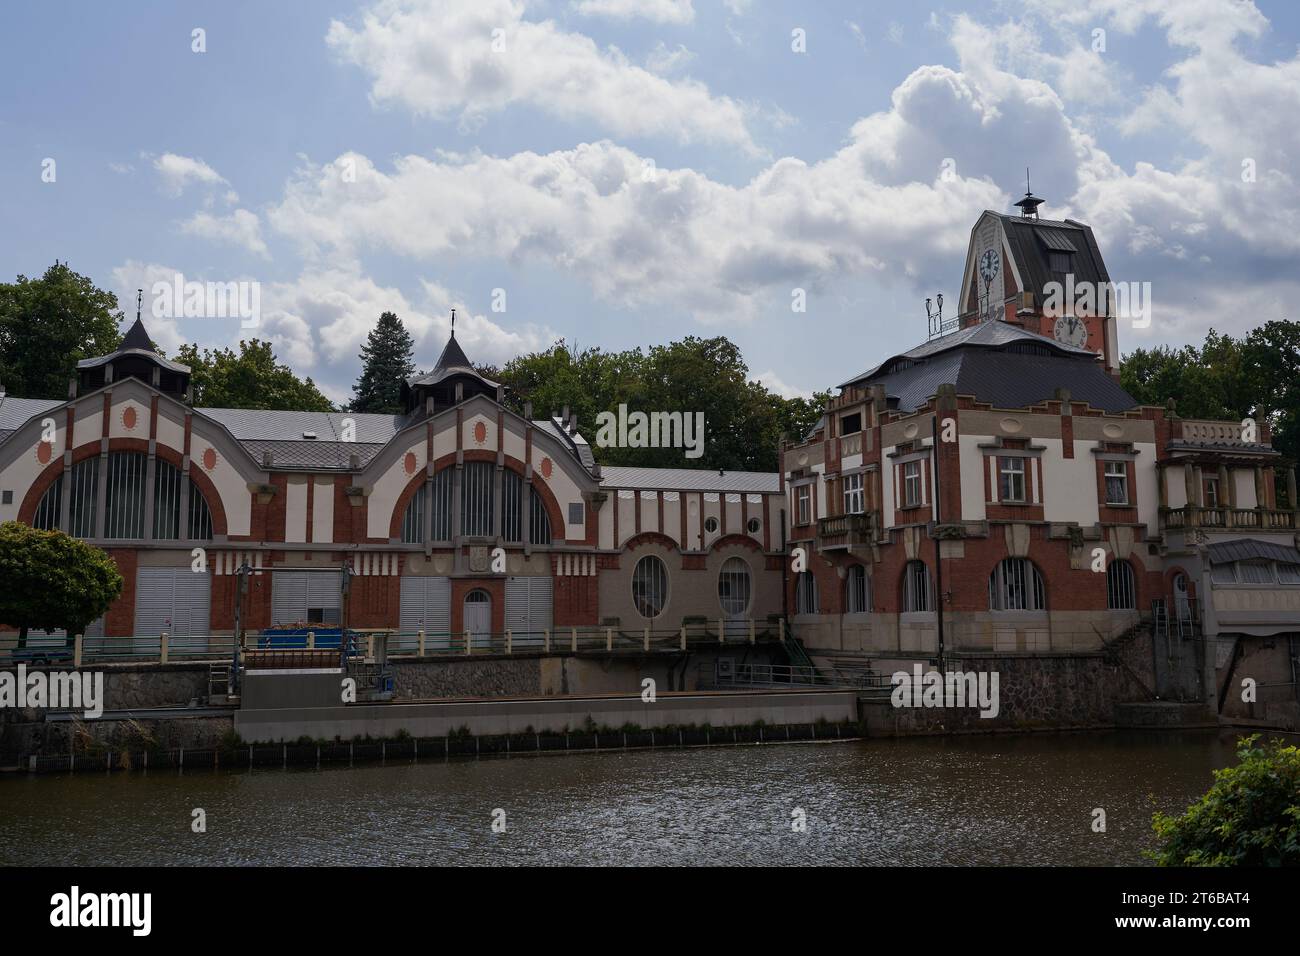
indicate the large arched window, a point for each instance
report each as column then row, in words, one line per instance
column 124, row 501
column 414, row 519
column 1121, row 589
column 124, row 498
column 167, row 495
column 857, row 594
column 476, row 499
column 650, row 586
column 916, row 587
column 1016, row 585
column 805, row 594
column 540, row 529
column 734, row 586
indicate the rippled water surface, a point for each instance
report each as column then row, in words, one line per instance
column 1017, row 800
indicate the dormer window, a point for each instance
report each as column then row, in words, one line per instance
column 1061, row 262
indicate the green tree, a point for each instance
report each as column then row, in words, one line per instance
column 49, row 324
column 743, row 419
column 386, row 362
column 52, row 580
column 251, row 379
column 1249, row 817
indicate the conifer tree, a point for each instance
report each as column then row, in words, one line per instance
column 386, row 362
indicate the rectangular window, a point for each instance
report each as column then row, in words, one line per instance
column 1288, row 573
column 803, row 503
column 1223, row 574
column 1116, row 483
column 1255, row 572
column 853, row 494
column 476, row 500
column 851, row 424
column 911, row 484
column 1211, row 492
column 1060, row 262
column 1011, row 480
column 577, row 514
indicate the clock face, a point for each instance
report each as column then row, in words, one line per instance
column 989, row 266
column 1071, row 331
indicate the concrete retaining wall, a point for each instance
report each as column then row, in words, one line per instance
column 555, row 714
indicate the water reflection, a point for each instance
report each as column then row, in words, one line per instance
column 1022, row 800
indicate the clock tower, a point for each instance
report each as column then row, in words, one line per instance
column 1044, row 275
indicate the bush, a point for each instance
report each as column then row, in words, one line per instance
column 1249, row 817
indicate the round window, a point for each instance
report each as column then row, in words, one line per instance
column 710, row 524
column 754, row 526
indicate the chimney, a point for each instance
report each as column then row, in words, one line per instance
column 354, row 461
column 573, row 424
column 266, row 459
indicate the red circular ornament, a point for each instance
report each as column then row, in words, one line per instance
column 408, row 463
column 44, row 452
column 129, row 418
column 480, row 432
column 546, row 467
column 209, row 459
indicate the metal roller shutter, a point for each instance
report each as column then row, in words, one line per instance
column 528, row 609
column 426, row 605
column 175, row 600
column 294, row 594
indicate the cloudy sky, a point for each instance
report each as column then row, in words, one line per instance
column 626, row 172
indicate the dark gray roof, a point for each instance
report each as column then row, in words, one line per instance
column 690, row 479
column 247, row 424
column 985, row 334
column 576, row 444
column 136, row 342
column 16, row 412
column 452, row 361
column 998, row 363
column 1252, row 549
column 1030, row 241
column 281, row 433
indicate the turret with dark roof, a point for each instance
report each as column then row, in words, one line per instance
column 134, row 358
column 453, row 369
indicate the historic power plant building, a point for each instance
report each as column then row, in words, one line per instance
column 414, row 503
column 994, row 489
column 998, row 478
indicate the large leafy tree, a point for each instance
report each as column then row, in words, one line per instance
column 1249, row 817
column 386, row 362
column 250, row 379
column 49, row 324
column 1226, row 378
column 51, row 580
column 743, row 420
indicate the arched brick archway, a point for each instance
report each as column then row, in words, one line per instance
column 733, row 540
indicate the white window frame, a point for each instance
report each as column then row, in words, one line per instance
column 1109, row 473
column 803, row 503
column 1010, row 469
column 854, row 501
column 912, row 484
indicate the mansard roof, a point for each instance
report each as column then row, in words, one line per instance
column 999, row 363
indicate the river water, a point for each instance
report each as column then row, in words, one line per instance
column 1023, row 800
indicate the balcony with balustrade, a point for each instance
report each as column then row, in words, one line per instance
column 846, row 531
column 1227, row 519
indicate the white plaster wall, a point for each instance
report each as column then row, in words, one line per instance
column 972, row 476
column 1148, row 491
column 388, row 487
column 295, row 509
column 230, row 484
column 117, row 428
column 322, row 510
column 673, row 516
column 1070, row 484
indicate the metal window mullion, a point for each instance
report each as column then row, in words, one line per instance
column 150, row 500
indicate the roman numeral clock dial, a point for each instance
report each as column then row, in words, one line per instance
column 990, row 263
column 1071, row 330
